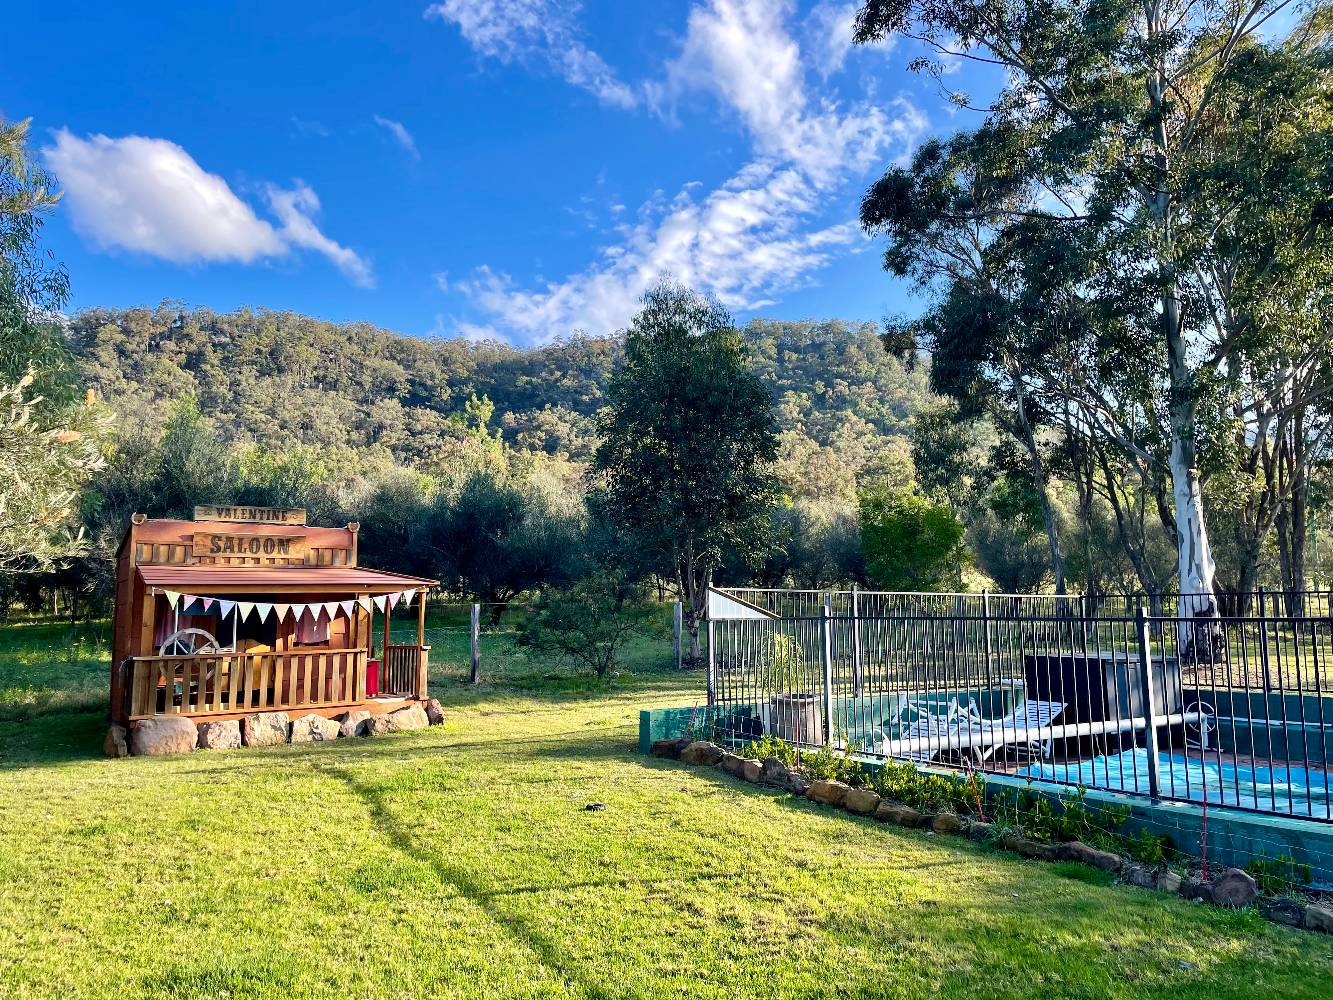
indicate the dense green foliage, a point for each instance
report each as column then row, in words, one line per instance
column 590, row 622
column 1127, row 259
column 282, row 379
column 910, row 542
column 687, row 445
column 48, row 439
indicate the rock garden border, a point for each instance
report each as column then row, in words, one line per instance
column 166, row 734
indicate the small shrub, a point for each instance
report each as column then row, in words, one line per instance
column 929, row 792
column 1148, row 847
column 827, row 764
column 1280, row 874
column 769, row 746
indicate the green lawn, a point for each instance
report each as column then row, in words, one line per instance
column 460, row 861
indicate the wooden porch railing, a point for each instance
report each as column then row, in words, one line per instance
column 403, row 670
column 217, row 683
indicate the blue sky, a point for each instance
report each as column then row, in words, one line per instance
column 466, row 168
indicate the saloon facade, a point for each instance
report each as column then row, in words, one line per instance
column 249, row 609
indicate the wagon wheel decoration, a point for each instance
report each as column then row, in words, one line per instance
column 191, row 642
column 188, row 642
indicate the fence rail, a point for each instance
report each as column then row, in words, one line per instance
column 218, row 683
column 1236, row 711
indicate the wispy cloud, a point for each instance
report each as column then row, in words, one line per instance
column 149, row 196
column 828, row 31
column 764, row 232
column 400, row 135
column 305, row 127
column 542, row 31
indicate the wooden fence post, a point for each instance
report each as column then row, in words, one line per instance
column 423, row 651
column 475, row 633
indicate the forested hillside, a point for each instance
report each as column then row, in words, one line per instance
column 464, row 461
column 282, row 379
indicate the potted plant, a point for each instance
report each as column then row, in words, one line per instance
column 794, row 713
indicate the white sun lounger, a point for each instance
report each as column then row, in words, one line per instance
column 932, row 730
column 1019, row 727
column 1027, row 726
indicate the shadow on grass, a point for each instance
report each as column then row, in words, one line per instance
column 528, row 931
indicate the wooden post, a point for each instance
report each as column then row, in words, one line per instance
column 677, row 627
column 423, row 651
column 475, row 632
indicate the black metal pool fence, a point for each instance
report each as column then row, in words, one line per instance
column 1235, row 710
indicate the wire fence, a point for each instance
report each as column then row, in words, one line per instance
column 1236, row 711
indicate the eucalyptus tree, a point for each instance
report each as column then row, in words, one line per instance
column 950, row 219
column 1109, row 207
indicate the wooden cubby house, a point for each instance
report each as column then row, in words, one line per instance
column 248, row 609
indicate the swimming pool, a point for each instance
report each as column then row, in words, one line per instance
column 1283, row 789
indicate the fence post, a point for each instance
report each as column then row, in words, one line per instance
column 475, row 632
column 1147, row 691
column 712, row 665
column 985, row 619
column 856, row 643
column 826, row 654
column 1263, row 642
column 677, row 626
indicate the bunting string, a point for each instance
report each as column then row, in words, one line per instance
column 195, row 604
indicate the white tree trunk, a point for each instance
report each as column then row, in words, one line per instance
column 1194, row 554
column 1196, row 629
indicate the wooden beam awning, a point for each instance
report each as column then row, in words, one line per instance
column 279, row 579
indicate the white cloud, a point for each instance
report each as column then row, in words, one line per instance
column 765, row 231
column 741, row 51
column 535, row 29
column 294, row 208
column 315, row 128
column 400, row 134
column 150, row 196
column 829, row 33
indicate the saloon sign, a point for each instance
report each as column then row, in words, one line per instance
column 206, row 543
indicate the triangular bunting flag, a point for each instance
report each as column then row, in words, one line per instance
column 280, row 610
column 393, row 600
column 245, row 607
column 208, row 603
column 298, row 611
column 330, row 609
column 365, row 604
column 379, row 602
column 347, row 607
column 172, row 597
column 406, row 597
column 263, row 610
column 226, row 607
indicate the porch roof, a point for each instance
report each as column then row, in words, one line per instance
column 279, row 579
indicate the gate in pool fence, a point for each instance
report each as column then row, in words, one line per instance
column 1122, row 694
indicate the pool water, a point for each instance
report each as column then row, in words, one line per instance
column 1289, row 789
